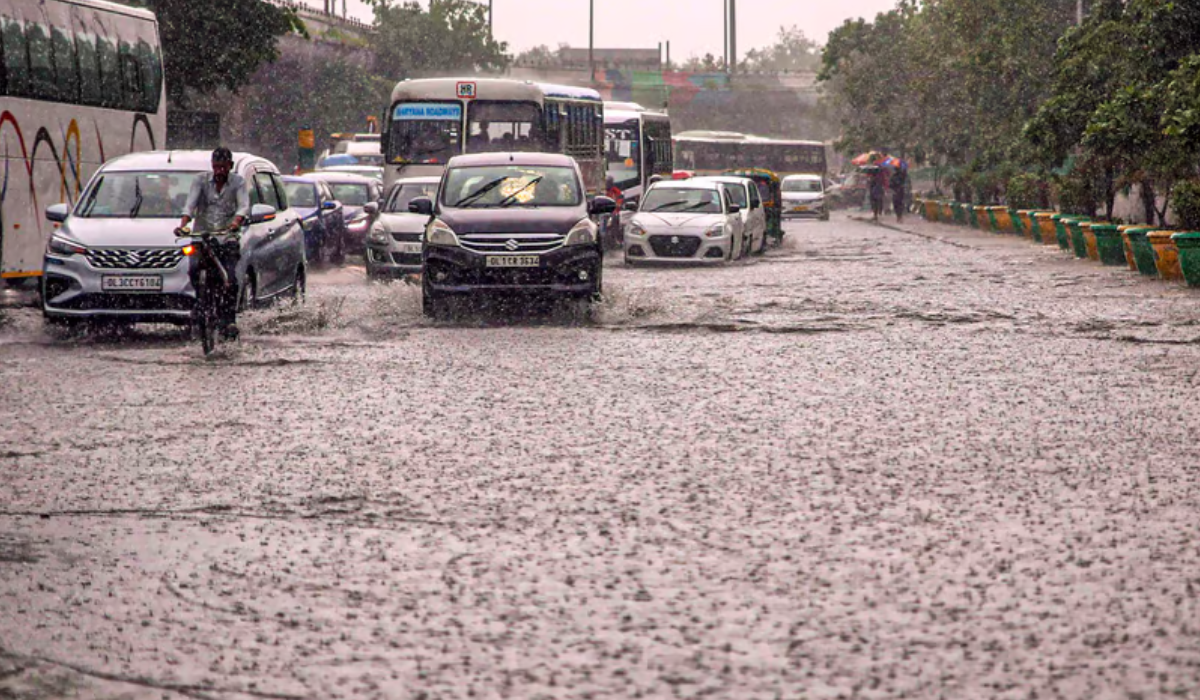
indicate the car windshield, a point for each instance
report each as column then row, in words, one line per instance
column 512, row 186
column 673, row 199
column 137, row 195
column 737, row 193
column 804, row 185
column 301, row 194
column 407, row 192
column 351, row 194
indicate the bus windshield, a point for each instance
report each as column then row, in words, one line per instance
column 497, row 127
column 426, row 132
column 622, row 146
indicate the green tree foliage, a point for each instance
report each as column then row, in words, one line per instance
column 217, row 43
column 792, row 51
column 448, row 36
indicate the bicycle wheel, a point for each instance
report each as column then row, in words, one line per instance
column 207, row 318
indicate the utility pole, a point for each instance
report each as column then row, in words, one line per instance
column 725, row 30
column 733, row 59
column 592, row 38
column 1079, row 12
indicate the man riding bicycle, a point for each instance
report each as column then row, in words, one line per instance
column 219, row 202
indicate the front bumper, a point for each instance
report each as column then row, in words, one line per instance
column 803, row 210
column 400, row 255
column 688, row 249
column 72, row 289
column 568, row 271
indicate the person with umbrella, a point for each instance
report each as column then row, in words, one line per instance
column 897, row 182
column 875, row 187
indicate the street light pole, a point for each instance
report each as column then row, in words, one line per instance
column 733, row 59
column 592, row 38
column 491, row 33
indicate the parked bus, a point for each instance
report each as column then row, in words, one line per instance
column 712, row 152
column 638, row 145
column 82, row 82
column 433, row 120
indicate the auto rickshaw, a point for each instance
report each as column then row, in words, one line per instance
column 771, row 191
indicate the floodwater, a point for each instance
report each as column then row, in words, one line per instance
column 876, row 463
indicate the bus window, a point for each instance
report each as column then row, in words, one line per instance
column 64, row 65
column 622, row 153
column 90, row 90
column 425, row 132
column 131, row 78
column 110, row 73
column 503, row 126
column 151, row 72
column 41, row 62
column 16, row 63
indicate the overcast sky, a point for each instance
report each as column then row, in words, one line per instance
column 692, row 26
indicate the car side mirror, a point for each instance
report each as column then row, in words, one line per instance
column 329, row 205
column 421, row 205
column 58, row 212
column 371, row 209
column 260, row 213
column 602, row 205
column 631, row 206
column 734, row 208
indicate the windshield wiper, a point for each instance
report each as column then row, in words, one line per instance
column 513, row 197
column 696, row 206
column 663, row 207
column 86, row 210
column 137, row 201
column 480, row 192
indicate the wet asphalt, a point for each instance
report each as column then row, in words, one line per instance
column 875, row 463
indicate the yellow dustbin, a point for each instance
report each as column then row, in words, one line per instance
column 1046, row 227
column 1166, row 255
column 1089, row 240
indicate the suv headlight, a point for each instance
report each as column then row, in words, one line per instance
column 583, row 233
column 439, row 233
column 715, row 231
column 636, row 229
column 64, row 246
column 379, row 236
column 358, row 225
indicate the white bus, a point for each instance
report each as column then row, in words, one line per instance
column 714, row 152
column 430, row 121
column 638, row 146
column 82, row 82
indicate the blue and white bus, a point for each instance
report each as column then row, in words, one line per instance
column 430, row 121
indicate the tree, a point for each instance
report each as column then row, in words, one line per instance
column 792, row 51
column 452, row 35
column 220, row 46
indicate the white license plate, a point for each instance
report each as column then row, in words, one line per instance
column 514, row 261
column 409, row 247
column 131, row 283
column 800, row 208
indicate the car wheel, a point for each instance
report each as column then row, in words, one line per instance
column 249, row 295
column 432, row 304
column 299, row 286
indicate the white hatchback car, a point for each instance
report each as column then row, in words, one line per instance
column 684, row 221
column 394, row 243
column 804, row 196
column 745, row 194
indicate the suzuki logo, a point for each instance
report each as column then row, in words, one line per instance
column 511, row 244
column 134, row 258
column 675, row 239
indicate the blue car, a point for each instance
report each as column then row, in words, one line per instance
column 322, row 217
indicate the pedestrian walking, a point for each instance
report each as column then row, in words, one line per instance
column 898, row 182
column 876, row 186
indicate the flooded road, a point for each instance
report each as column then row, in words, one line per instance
column 876, row 463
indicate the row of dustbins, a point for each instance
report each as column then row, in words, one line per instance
column 1170, row 255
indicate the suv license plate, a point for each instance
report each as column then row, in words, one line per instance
column 514, row 261
column 131, row 283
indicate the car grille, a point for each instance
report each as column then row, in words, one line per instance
column 675, row 246
column 406, row 237
column 134, row 259
column 127, row 302
column 512, row 242
column 406, row 258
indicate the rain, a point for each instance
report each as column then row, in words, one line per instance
column 798, row 357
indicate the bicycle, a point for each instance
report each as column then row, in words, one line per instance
column 206, row 313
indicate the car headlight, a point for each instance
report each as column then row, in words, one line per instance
column 378, row 235
column 358, row 225
column 715, row 231
column 583, row 233
column 636, row 229
column 64, row 246
column 439, row 233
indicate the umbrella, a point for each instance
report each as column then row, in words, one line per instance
column 893, row 163
column 868, row 158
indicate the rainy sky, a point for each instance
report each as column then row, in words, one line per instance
column 641, row 24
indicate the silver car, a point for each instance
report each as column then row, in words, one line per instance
column 114, row 255
column 394, row 243
column 744, row 193
column 684, row 221
column 804, row 196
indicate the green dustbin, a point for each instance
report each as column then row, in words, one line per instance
column 1078, row 242
column 1109, row 244
column 1143, row 252
column 972, row 215
column 1060, row 230
column 1188, row 244
column 1018, row 226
